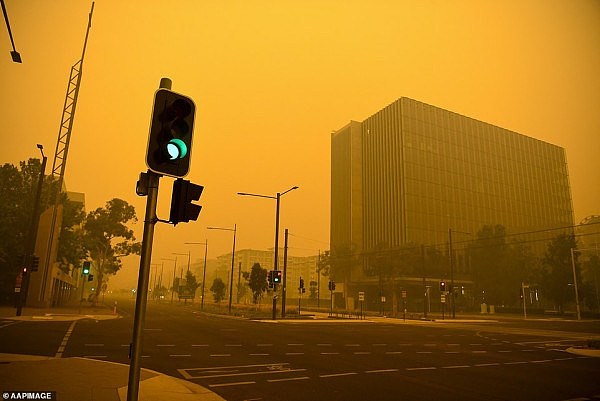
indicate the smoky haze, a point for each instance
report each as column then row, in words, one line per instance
column 271, row 80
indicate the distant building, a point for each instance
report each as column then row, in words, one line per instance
column 411, row 172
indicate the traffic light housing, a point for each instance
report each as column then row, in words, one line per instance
column 91, row 277
column 35, row 263
column 171, row 128
column 442, row 286
column 182, row 208
column 331, row 285
column 301, row 286
column 277, row 276
column 270, row 278
column 86, row 268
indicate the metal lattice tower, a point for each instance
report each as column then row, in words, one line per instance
column 62, row 147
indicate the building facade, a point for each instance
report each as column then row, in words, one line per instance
column 412, row 172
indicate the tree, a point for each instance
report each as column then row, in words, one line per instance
column 107, row 238
column 191, row 283
column 71, row 251
column 488, row 254
column 18, row 187
column 557, row 270
column 257, row 281
column 218, row 290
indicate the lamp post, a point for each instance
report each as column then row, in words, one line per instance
column 173, row 282
column 234, row 229
column 188, row 270
column 35, row 219
column 275, row 262
column 573, row 250
column 450, row 251
column 205, row 243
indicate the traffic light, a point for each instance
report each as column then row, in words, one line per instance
column 331, row 285
column 182, row 208
column 301, row 286
column 91, row 277
column 270, row 278
column 35, row 263
column 171, row 128
column 442, row 286
column 86, row 268
column 277, row 276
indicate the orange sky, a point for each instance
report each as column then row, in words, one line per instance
column 272, row 79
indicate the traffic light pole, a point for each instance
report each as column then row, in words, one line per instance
column 135, row 352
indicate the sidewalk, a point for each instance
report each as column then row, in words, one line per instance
column 76, row 379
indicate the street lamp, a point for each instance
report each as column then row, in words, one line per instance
column 452, row 295
column 275, row 263
column 234, row 229
column 205, row 243
column 573, row 250
column 173, row 282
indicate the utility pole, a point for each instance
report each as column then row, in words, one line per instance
column 283, row 286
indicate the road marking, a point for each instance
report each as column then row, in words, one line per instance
column 230, row 384
column 124, row 345
column 180, row 355
column 455, row 367
column 487, row 364
column 339, row 374
column 259, row 354
column 379, row 345
column 405, row 345
column 515, row 363
column 199, row 345
column 393, row 352
column 323, row 345
column 63, row 345
column 563, row 359
column 95, row 356
column 540, row 361
column 219, row 355
column 288, row 379
column 381, row 371
column 145, row 356
column 504, row 351
column 528, row 350
column 165, row 345
column 451, row 352
column 233, row 345
column 294, row 345
column 330, row 353
column 427, row 368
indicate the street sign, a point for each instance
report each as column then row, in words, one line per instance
column 361, row 296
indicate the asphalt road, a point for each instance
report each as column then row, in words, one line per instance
column 250, row 360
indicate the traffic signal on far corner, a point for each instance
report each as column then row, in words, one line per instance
column 91, row 277
column 182, row 208
column 331, row 285
column 171, row 128
column 86, row 268
column 277, row 276
column 442, row 286
column 35, row 263
column 270, row 278
column 301, row 286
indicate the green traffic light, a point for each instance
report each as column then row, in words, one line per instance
column 176, row 149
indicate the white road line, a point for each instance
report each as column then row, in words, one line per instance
column 165, row 345
column 259, row 354
column 230, row 384
column 528, row 350
column 427, row 368
column 393, row 352
column 95, row 356
column 515, row 363
column 540, row 361
column 563, row 359
column 288, row 379
column 455, row 367
column 233, row 345
column 379, row 345
column 323, row 345
column 330, row 353
column 219, row 355
column 339, row 374
column 381, row 371
column 124, row 345
column 488, row 364
column 295, row 345
column 61, row 349
column 180, row 355
column 504, row 351
column 451, row 352
column 199, row 345
column 145, row 356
